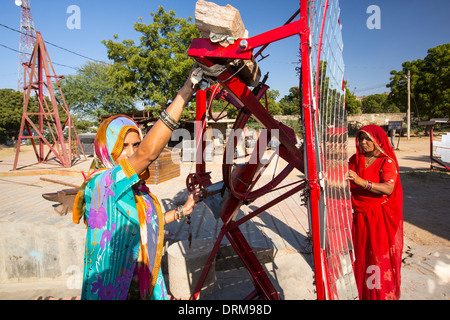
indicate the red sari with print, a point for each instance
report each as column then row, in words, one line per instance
column 377, row 222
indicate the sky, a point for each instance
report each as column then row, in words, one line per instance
column 406, row 30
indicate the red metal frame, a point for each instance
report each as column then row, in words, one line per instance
column 308, row 119
column 205, row 52
column 40, row 71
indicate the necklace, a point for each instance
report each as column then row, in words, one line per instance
column 369, row 161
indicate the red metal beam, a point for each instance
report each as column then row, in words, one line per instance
column 203, row 47
column 243, row 94
column 39, row 75
column 308, row 119
column 274, row 35
column 200, row 125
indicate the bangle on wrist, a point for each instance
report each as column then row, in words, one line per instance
column 368, row 185
column 179, row 213
column 169, row 121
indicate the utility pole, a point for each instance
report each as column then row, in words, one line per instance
column 409, row 103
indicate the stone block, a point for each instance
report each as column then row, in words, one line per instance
column 210, row 17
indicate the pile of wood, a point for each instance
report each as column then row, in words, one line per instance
column 166, row 167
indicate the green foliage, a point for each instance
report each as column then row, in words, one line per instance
column 83, row 125
column 156, row 68
column 91, row 93
column 290, row 104
column 378, row 103
column 272, row 106
column 352, row 105
column 11, row 109
column 10, row 112
column 430, row 84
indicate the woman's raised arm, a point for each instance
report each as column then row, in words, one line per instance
column 159, row 135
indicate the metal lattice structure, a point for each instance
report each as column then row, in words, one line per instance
column 330, row 130
column 26, row 42
column 45, row 127
column 322, row 157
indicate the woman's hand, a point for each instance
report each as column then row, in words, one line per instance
column 353, row 176
column 192, row 200
column 188, row 85
column 159, row 135
column 383, row 188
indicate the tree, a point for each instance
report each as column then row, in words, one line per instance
column 290, row 104
column 91, row 93
column 156, row 68
column 272, row 105
column 352, row 105
column 430, row 84
column 378, row 103
column 11, row 110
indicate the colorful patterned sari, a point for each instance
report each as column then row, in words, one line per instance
column 125, row 226
column 377, row 222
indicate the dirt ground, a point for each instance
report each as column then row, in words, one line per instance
column 426, row 213
column 426, row 192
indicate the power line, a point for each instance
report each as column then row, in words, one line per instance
column 374, row 87
column 55, row 45
column 59, row 64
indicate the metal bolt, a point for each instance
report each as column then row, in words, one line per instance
column 243, row 44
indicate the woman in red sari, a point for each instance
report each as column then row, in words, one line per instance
column 377, row 200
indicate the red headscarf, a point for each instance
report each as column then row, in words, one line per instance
column 377, row 224
column 381, row 141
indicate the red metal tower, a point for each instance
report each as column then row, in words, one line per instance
column 27, row 39
column 47, row 124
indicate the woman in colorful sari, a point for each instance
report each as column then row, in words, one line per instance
column 125, row 224
column 377, row 200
